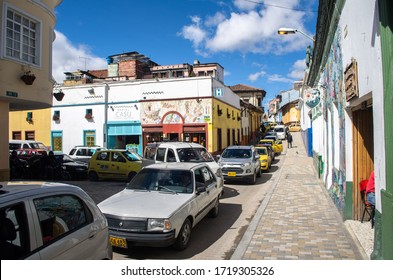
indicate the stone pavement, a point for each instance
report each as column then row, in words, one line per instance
column 297, row 219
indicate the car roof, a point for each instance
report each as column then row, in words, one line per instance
column 23, row 189
column 176, row 165
column 240, row 147
column 180, row 145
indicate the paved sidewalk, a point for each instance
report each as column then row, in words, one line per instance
column 297, row 219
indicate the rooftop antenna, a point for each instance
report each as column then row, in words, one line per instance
column 85, row 58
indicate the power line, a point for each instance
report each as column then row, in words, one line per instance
column 281, row 7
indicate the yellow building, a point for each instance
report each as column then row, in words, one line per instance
column 31, row 125
column 25, row 69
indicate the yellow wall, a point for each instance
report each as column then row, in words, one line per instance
column 41, row 124
column 224, row 123
column 290, row 114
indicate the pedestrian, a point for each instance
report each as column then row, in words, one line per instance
column 289, row 139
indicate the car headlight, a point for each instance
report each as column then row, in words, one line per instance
column 158, row 225
column 246, row 164
column 219, row 172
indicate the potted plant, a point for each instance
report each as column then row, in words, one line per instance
column 59, row 95
column 56, row 117
column 88, row 116
column 28, row 78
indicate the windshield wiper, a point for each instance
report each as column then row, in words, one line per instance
column 165, row 188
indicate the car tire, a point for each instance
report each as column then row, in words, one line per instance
column 131, row 175
column 215, row 210
column 184, row 236
column 259, row 173
column 93, row 176
column 253, row 178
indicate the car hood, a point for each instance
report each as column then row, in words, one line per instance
column 143, row 204
column 75, row 164
column 236, row 161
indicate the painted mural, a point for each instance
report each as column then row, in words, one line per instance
column 334, row 98
column 191, row 111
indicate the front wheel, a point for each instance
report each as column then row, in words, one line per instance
column 184, row 236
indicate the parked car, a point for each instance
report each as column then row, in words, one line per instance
column 264, row 157
column 240, row 163
column 41, row 220
column 61, row 167
column 26, row 144
column 83, row 153
column 161, row 205
column 277, row 145
column 269, row 148
column 114, row 164
column 27, row 153
column 183, row 152
column 280, row 130
column 294, row 127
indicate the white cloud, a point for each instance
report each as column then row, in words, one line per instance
column 69, row 58
column 256, row 76
column 279, row 78
column 298, row 69
column 252, row 29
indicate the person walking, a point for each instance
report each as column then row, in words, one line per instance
column 289, row 139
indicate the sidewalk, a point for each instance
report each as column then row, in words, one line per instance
column 297, row 219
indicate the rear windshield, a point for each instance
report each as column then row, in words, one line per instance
column 236, row 153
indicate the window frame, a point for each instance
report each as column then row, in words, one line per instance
column 37, row 39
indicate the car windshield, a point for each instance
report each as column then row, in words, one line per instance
column 194, row 155
column 131, row 156
column 261, row 151
column 163, row 180
column 236, row 153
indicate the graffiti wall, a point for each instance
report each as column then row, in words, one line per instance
column 191, row 110
column 334, row 102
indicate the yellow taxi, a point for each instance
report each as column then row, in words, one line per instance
column 114, row 164
column 264, row 157
column 277, row 145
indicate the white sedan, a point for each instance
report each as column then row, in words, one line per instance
column 161, row 205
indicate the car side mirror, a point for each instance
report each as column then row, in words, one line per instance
column 200, row 189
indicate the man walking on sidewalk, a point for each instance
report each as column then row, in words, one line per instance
column 289, row 139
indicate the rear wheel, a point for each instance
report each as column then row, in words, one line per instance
column 93, row 176
column 184, row 236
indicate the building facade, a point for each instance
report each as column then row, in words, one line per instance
column 25, row 65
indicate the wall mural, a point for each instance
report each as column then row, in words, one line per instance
column 335, row 97
column 191, row 110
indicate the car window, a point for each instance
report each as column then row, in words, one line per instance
column 13, row 146
column 194, row 155
column 207, row 175
column 131, row 156
column 171, row 156
column 81, row 152
column 103, row 156
column 72, row 152
column 90, row 152
column 60, row 214
column 261, row 151
column 160, row 156
column 117, row 157
column 14, row 232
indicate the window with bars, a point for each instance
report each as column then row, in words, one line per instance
column 22, row 37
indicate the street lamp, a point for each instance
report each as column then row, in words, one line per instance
column 285, row 31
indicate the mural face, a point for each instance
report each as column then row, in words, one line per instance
column 191, row 111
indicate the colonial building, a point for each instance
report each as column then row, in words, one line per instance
column 25, row 72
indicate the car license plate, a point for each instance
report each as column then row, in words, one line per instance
column 118, row 242
column 231, row 174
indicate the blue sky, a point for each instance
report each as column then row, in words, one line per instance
column 240, row 35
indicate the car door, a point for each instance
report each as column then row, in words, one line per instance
column 205, row 179
column 66, row 228
column 118, row 166
column 101, row 164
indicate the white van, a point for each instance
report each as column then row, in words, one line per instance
column 280, row 130
column 26, row 144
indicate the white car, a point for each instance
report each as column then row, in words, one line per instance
column 183, row 152
column 161, row 205
column 47, row 221
column 280, row 130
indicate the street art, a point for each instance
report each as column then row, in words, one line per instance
column 334, row 102
column 192, row 111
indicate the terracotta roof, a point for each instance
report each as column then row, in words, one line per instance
column 101, row 74
column 243, row 88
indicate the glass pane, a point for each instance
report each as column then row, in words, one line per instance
column 9, row 24
column 18, row 18
column 25, row 22
column 10, row 14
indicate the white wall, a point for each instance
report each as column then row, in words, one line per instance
column 361, row 40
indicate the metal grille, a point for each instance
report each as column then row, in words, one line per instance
column 232, row 169
column 127, row 225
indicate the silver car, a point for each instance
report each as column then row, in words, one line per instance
column 161, row 205
column 240, row 163
column 46, row 221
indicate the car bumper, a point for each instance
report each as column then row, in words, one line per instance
column 146, row 239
